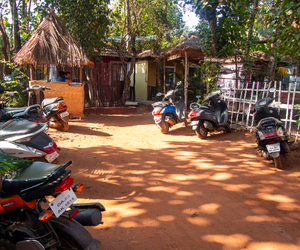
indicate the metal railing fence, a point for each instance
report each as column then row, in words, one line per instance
column 241, row 103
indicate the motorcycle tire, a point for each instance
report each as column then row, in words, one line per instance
column 164, row 127
column 228, row 129
column 185, row 123
column 64, row 125
column 201, row 132
column 72, row 235
column 277, row 162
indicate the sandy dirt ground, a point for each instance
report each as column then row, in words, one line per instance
column 176, row 191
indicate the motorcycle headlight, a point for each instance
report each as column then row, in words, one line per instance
column 280, row 131
column 261, row 135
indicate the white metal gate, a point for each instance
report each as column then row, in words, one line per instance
column 241, row 102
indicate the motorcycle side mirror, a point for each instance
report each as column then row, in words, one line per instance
column 272, row 90
column 179, row 83
column 159, row 94
column 168, row 85
column 221, row 85
column 198, row 96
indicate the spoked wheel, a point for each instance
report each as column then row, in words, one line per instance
column 277, row 162
column 164, row 127
column 201, row 132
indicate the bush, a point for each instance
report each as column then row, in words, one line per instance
column 16, row 96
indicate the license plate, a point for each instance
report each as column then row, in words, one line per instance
column 273, row 148
column 64, row 114
column 62, row 202
column 194, row 123
column 51, row 157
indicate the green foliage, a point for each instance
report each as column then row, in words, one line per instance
column 297, row 106
column 87, row 20
column 283, row 17
column 16, row 97
column 223, row 25
column 201, row 81
column 158, row 18
column 9, row 163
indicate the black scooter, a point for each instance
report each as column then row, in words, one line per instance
column 210, row 118
column 32, row 113
column 271, row 136
column 37, row 209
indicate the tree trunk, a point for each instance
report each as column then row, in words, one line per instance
column 213, row 27
column 5, row 50
column 15, row 19
column 6, row 44
column 250, row 34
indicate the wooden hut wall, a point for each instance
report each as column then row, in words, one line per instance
column 105, row 86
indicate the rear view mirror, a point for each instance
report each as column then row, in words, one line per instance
column 221, row 85
column 272, row 90
column 159, row 94
column 179, row 83
column 198, row 96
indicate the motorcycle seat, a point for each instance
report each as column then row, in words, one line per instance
column 161, row 104
column 31, row 176
column 8, row 113
column 48, row 101
column 11, row 128
column 269, row 121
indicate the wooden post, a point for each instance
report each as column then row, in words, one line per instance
column 236, row 74
column 31, row 72
column 185, row 79
column 164, row 75
column 80, row 76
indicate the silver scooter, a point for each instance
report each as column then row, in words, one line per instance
column 27, row 140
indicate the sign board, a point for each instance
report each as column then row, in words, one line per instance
column 212, row 59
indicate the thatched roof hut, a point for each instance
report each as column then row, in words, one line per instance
column 189, row 45
column 52, row 43
column 110, row 51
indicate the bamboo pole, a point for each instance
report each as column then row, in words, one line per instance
column 80, row 76
column 164, row 76
column 185, row 79
column 31, row 72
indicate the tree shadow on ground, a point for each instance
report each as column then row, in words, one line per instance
column 189, row 195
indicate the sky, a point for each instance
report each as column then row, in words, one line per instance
column 190, row 19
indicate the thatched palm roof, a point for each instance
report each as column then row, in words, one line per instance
column 191, row 42
column 110, row 51
column 52, row 43
column 189, row 45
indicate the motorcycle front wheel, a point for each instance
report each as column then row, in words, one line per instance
column 164, row 127
column 201, row 132
column 228, row 129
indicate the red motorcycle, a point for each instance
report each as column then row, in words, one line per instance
column 37, row 209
